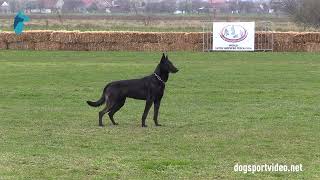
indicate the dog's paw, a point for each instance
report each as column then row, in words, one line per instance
column 116, row 124
column 101, row 125
column 158, row 125
column 143, row 125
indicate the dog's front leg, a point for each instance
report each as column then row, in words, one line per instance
column 145, row 113
column 156, row 111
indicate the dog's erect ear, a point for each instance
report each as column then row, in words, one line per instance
column 163, row 58
column 167, row 57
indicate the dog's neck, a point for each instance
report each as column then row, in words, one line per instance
column 163, row 75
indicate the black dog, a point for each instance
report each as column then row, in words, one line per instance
column 149, row 88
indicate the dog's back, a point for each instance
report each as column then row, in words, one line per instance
column 133, row 88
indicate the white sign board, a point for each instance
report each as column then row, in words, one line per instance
column 233, row 36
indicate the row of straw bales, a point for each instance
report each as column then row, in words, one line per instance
column 297, row 42
column 101, row 41
column 143, row 41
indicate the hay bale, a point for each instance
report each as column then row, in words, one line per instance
column 91, row 37
column 282, row 41
column 286, row 37
column 312, row 47
column 3, row 36
column 23, row 45
column 33, row 36
column 112, row 46
column 197, row 47
column 305, row 37
column 117, row 47
column 299, row 38
column 95, row 47
column 3, row 45
column 171, row 38
column 132, row 46
column 11, row 37
column 153, row 47
column 289, row 47
column 145, row 37
column 116, row 37
column 64, row 37
column 313, row 37
column 193, row 37
column 74, row 46
column 265, row 36
column 110, row 37
column 47, row 46
column 37, row 36
column 101, row 46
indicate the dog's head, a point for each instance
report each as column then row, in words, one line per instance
column 166, row 65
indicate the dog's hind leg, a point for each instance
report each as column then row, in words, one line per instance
column 116, row 108
column 109, row 105
column 101, row 114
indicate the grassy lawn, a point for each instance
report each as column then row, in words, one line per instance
column 220, row 109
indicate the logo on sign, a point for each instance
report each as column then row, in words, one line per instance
column 233, row 33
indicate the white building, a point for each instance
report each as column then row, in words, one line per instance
column 4, row 8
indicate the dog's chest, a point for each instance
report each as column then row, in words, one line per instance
column 158, row 90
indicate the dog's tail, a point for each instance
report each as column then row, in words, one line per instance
column 99, row 102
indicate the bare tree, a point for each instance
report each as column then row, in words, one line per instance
column 305, row 12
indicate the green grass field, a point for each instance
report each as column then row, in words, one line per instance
column 219, row 110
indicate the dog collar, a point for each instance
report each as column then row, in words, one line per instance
column 159, row 78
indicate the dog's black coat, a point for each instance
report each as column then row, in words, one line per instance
column 149, row 88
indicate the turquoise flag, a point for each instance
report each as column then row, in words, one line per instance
column 19, row 20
